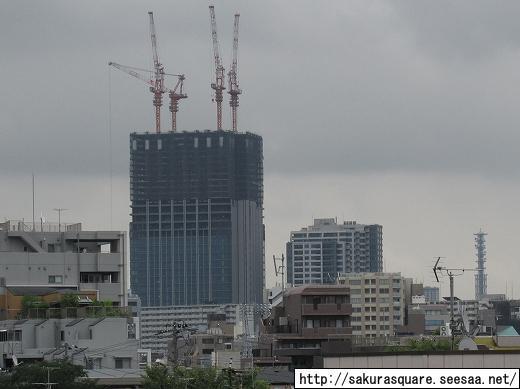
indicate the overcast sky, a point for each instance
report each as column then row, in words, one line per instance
column 401, row 113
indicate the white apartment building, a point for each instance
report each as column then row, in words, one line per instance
column 378, row 302
column 318, row 253
column 95, row 343
column 154, row 320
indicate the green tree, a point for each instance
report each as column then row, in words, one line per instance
column 157, row 377
column 160, row 377
column 69, row 300
column 65, row 374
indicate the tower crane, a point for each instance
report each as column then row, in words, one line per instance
column 175, row 94
column 234, row 89
column 218, row 85
column 158, row 85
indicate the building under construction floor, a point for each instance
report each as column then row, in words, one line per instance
column 196, row 231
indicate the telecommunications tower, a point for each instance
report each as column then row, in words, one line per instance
column 480, row 275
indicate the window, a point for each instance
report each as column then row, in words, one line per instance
column 134, row 144
column 208, row 142
column 355, row 282
column 122, row 363
column 55, row 279
column 159, row 144
column 195, row 142
column 221, row 141
column 146, row 144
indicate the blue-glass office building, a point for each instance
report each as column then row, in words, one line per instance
column 196, row 231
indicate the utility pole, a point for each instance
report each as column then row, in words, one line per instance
column 48, row 384
column 456, row 326
column 34, row 221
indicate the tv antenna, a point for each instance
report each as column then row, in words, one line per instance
column 456, row 326
column 279, row 269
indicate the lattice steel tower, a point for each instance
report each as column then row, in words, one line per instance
column 480, row 275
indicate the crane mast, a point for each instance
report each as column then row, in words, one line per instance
column 175, row 94
column 158, row 88
column 234, row 89
column 218, row 85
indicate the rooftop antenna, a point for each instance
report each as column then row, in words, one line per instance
column 279, row 269
column 34, row 220
column 456, row 326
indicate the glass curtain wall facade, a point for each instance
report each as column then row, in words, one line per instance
column 196, row 233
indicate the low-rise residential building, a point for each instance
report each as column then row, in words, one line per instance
column 378, row 302
column 93, row 342
column 311, row 319
column 62, row 256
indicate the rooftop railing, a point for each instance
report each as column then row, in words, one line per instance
column 74, row 313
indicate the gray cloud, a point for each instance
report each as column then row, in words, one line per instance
column 338, row 89
column 377, row 81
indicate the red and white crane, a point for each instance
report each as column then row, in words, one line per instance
column 234, row 89
column 218, row 85
column 158, row 88
column 156, row 83
column 175, row 94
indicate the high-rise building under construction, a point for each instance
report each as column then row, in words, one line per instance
column 196, row 231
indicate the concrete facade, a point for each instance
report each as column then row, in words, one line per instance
column 69, row 259
column 378, row 302
column 312, row 319
column 107, row 342
column 156, row 319
column 451, row 360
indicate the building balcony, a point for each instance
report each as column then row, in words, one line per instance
column 72, row 313
column 290, row 352
column 326, row 309
column 326, row 331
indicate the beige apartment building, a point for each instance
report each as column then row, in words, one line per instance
column 378, row 302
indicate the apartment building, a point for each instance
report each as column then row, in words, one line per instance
column 318, row 253
column 378, row 302
column 311, row 320
column 154, row 320
column 93, row 342
column 63, row 257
